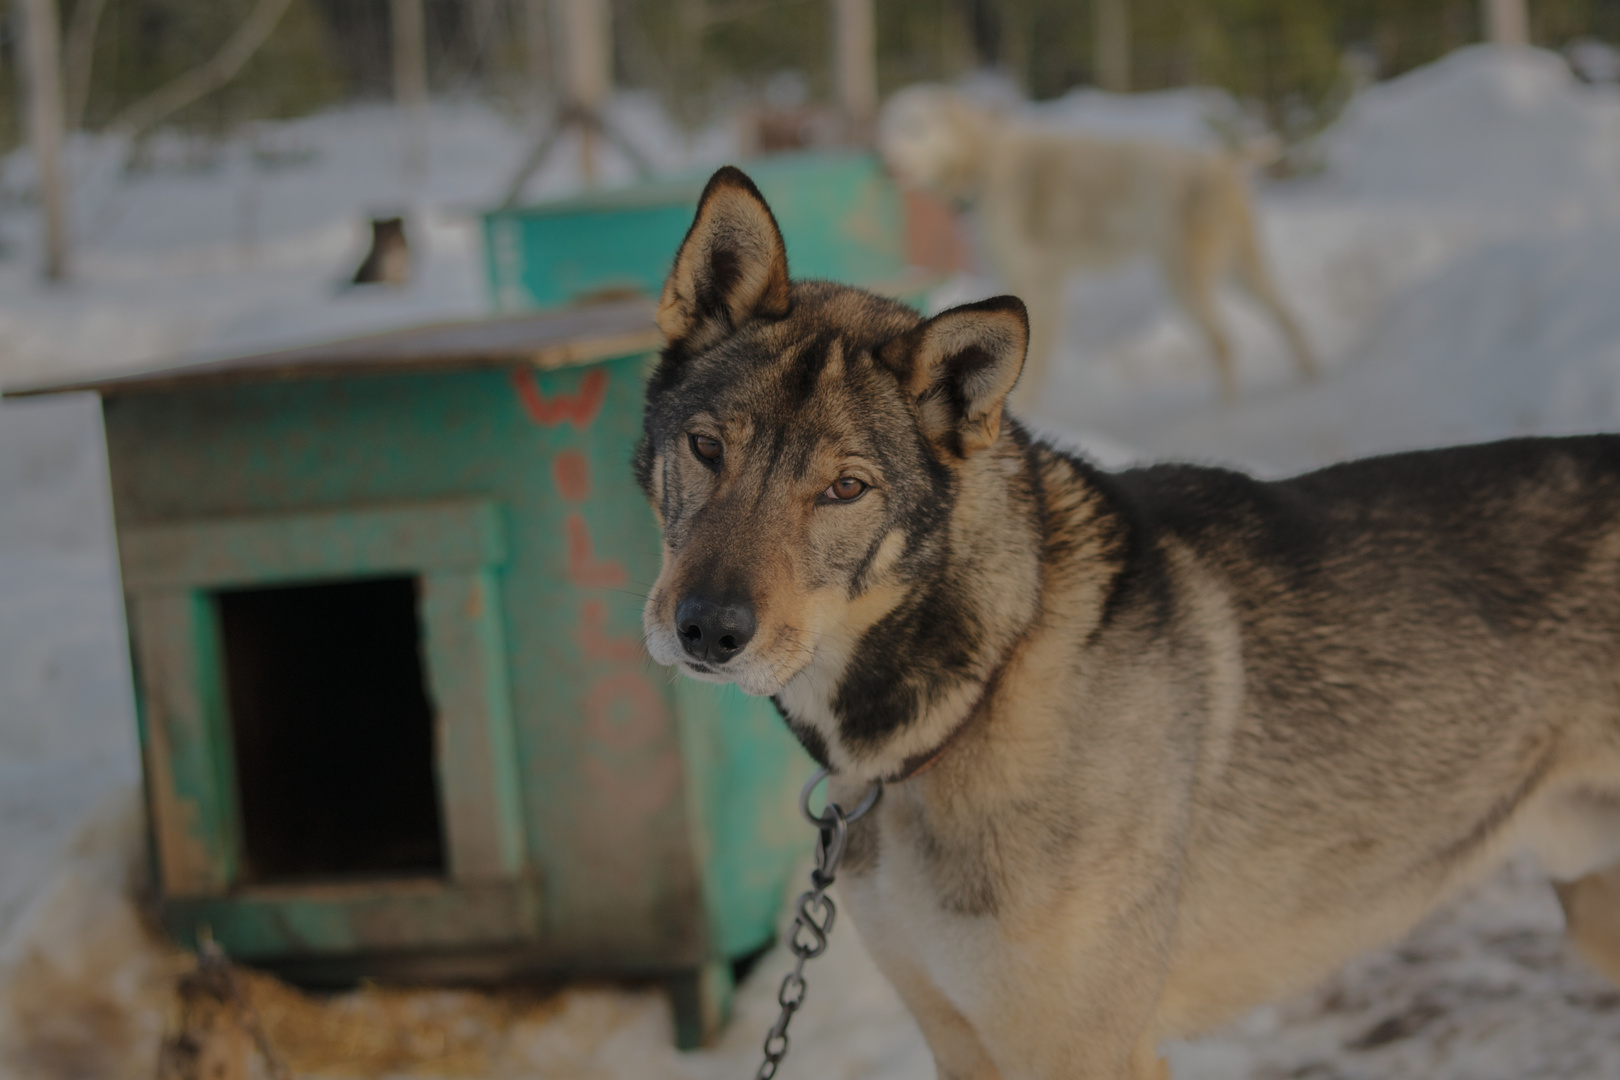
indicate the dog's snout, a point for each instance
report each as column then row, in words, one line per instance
column 714, row 631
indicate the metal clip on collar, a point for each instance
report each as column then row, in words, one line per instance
column 815, row 911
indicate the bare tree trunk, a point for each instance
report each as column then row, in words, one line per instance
column 42, row 45
column 587, row 71
column 537, row 46
column 79, row 57
column 686, row 69
column 482, row 17
column 1507, row 22
column 409, row 27
column 855, row 60
column 199, row 81
column 1112, row 45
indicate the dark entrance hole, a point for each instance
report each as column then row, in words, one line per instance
column 333, row 731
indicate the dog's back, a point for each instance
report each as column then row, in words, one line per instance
column 1093, row 201
column 1396, row 619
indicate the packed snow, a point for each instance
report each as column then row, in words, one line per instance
column 1453, row 259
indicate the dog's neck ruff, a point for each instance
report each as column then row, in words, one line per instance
column 919, row 763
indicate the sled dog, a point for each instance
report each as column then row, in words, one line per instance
column 1052, row 202
column 1157, row 745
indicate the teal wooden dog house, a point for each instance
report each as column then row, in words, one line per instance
column 384, row 603
column 384, row 600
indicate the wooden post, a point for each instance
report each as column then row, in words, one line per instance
column 587, row 70
column 855, row 60
column 483, row 15
column 78, row 58
column 537, row 47
column 43, row 52
column 1507, row 22
column 410, row 79
column 1111, row 56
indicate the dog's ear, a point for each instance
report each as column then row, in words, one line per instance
column 732, row 266
column 959, row 367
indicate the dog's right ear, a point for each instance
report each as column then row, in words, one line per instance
column 732, row 266
column 959, row 367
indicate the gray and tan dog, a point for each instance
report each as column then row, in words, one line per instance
column 1053, row 202
column 1195, row 738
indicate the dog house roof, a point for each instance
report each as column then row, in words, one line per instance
column 547, row 339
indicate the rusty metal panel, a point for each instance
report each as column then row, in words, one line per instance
column 264, row 549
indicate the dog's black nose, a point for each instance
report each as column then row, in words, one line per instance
column 714, row 632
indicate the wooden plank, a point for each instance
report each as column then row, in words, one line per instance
column 187, row 749
column 476, row 756
column 449, row 535
column 549, row 339
column 289, row 921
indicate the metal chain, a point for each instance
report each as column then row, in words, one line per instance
column 815, row 912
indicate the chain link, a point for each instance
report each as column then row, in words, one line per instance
column 816, row 912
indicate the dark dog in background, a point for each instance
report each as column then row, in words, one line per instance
column 389, row 260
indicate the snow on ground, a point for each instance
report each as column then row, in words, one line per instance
column 1453, row 262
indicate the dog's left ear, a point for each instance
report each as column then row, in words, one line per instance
column 732, row 266
column 959, row 367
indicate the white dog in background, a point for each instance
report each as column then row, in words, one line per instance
column 1052, row 202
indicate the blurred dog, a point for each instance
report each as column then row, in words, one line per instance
column 389, row 260
column 1051, row 202
column 1155, row 746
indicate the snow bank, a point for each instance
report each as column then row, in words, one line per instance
column 1491, row 127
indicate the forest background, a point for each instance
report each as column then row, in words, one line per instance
column 1293, row 62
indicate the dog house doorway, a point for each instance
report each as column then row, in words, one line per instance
column 332, row 729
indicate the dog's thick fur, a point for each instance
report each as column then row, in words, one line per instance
column 1053, row 202
column 1204, row 737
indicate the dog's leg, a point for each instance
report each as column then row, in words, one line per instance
column 1252, row 274
column 1066, row 1003
column 958, row 1053
column 1192, row 278
column 1147, row 1064
column 1592, row 913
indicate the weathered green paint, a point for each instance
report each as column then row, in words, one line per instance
column 840, row 215
column 644, row 824
column 266, row 549
column 269, row 925
column 187, row 744
column 741, row 744
column 476, row 757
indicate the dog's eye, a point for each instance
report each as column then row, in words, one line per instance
column 845, row 489
column 706, row 448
